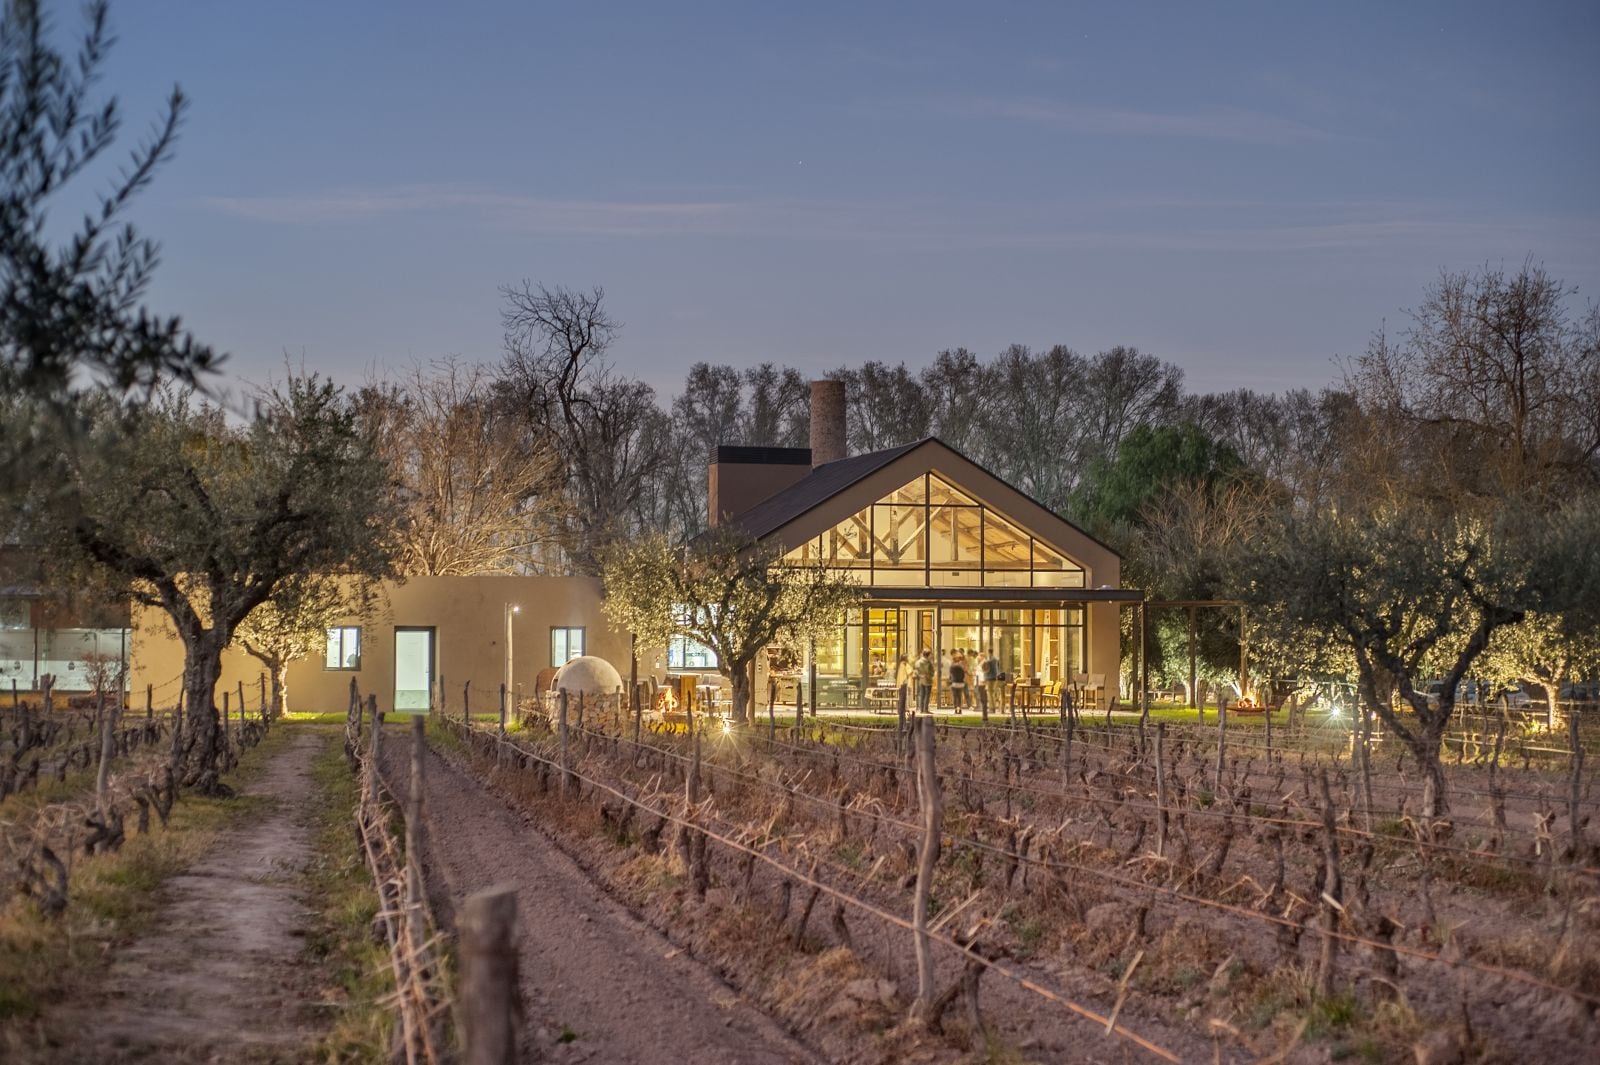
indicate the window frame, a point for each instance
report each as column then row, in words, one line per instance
column 568, row 630
column 342, row 667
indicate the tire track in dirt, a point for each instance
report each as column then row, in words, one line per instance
column 589, row 967
column 220, row 978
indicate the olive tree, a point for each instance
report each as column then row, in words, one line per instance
column 294, row 623
column 206, row 519
column 1412, row 599
column 70, row 296
column 724, row 590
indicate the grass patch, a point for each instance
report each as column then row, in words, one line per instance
column 353, row 963
column 114, row 898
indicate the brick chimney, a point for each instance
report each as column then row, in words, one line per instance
column 827, row 422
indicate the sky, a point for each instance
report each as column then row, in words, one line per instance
column 1246, row 190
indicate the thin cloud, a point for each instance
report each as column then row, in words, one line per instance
column 1201, row 224
column 548, row 214
column 1214, row 124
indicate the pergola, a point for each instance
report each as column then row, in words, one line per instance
column 1191, row 605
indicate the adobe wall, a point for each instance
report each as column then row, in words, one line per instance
column 467, row 614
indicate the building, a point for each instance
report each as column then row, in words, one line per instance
column 949, row 557
column 80, row 642
column 425, row 632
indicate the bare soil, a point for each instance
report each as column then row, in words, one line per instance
column 597, row 983
column 222, row 976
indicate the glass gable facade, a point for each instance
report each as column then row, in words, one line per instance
column 929, row 534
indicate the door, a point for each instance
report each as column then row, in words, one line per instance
column 413, row 670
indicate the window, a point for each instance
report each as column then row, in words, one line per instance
column 565, row 645
column 684, row 653
column 929, row 533
column 344, row 648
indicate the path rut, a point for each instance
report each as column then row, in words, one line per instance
column 589, row 967
column 219, row 979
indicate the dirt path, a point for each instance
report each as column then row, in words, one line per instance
column 219, row 978
column 590, row 970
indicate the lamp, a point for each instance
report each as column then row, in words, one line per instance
column 511, row 608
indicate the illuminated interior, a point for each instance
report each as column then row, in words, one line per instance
column 928, row 533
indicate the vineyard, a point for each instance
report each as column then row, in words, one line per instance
column 51, row 809
column 1128, row 892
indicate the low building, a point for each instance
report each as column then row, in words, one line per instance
column 82, row 645
column 425, row 632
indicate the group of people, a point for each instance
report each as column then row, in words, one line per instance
column 971, row 680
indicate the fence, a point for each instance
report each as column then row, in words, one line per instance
column 382, row 823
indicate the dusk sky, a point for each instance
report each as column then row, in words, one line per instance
column 1247, row 192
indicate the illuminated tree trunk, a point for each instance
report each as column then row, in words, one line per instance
column 739, row 676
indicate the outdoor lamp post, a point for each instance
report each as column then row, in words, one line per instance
column 510, row 610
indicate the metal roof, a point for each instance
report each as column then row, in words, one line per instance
column 821, row 484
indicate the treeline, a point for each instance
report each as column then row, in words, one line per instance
column 533, row 464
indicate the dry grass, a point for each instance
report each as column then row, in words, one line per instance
column 114, row 898
column 352, row 963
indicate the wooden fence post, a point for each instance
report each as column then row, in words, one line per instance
column 638, row 715
column 1222, row 741
column 377, row 730
column 1574, row 782
column 149, row 700
column 932, row 822
column 502, row 709
column 489, row 982
column 227, row 738
column 1161, row 790
column 241, row 711
column 1332, row 892
column 561, row 731
column 419, row 751
column 466, row 703
column 772, row 709
column 263, row 682
column 106, row 717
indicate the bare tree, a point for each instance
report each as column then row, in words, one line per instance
column 885, row 406
column 481, row 496
column 607, row 428
column 1038, row 442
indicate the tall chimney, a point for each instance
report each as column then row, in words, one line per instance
column 827, row 422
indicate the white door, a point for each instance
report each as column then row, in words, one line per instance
column 413, row 670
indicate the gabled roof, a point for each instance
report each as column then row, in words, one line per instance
column 821, row 484
column 825, row 483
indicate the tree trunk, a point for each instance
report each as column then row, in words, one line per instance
column 1425, row 748
column 202, row 668
column 280, row 689
column 739, row 676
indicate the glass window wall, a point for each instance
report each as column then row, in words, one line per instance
column 1043, row 644
column 929, row 533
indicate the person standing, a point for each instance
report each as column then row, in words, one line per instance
column 958, row 682
column 991, row 678
column 924, row 674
